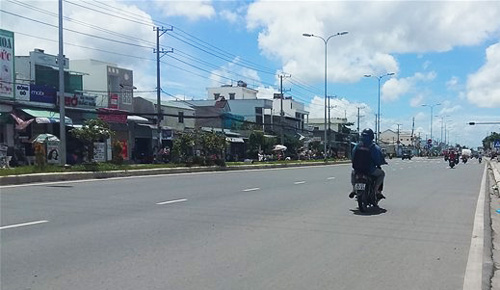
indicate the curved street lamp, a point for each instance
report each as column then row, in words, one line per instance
column 326, row 74
column 377, row 125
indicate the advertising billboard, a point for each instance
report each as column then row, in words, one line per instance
column 7, row 73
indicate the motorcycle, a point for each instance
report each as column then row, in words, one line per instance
column 364, row 186
column 464, row 160
column 480, row 159
column 452, row 162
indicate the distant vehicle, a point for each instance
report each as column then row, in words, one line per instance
column 406, row 155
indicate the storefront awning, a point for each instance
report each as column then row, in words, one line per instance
column 137, row 119
column 46, row 117
column 235, row 140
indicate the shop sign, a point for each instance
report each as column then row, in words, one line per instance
column 6, row 64
column 43, row 94
column 113, row 101
column 112, row 116
column 99, row 151
column 22, row 92
column 79, row 101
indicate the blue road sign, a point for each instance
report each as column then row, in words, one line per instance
column 497, row 144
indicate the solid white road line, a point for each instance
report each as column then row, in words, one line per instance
column 251, row 189
column 171, row 201
column 330, row 178
column 23, row 224
column 299, row 182
column 474, row 271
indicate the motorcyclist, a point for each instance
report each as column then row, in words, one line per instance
column 453, row 156
column 367, row 158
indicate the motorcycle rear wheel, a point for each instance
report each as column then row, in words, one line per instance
column 361, row 204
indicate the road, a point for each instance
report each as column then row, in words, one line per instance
column 288, row 229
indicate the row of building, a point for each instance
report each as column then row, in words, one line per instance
column 96, row 89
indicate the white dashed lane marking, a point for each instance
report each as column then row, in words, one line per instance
column 171, row 201
column 251, row 189
column 23, row 224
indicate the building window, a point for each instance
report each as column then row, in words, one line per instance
column 181, row 117
column 258, row 120
column 258, row 111
column 231, row 96
column 216, row 96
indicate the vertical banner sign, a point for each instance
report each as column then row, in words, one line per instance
column 99, row 151
column 53, row 152
column 6, row 64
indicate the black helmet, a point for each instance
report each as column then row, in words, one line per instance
column 368, row 133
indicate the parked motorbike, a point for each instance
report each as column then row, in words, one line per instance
column 364, row 186
column 464, row 159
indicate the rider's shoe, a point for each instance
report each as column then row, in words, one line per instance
column 380, row 196
column 352, row 194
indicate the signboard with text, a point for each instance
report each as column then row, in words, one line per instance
column 7, row 73
column 43, row 94
column 22, row 92
column 99, row 151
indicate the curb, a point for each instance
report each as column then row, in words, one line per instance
column 69, row 176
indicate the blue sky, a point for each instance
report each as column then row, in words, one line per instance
column 442, row 52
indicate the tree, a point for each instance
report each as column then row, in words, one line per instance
column 490, row 139
column 257, row 141
column 93, row 130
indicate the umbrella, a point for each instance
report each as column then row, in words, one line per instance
column 41, row 138
column 279, row 148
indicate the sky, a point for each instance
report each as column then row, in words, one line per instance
column 445, row 55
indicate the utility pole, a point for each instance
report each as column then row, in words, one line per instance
column 282, row 113
column 358, row 121
column 329, row 125
column 398, row 142
column 412, row 132
column 62, row 111
column 158, row 87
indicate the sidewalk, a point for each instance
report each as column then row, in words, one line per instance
column 493, row 189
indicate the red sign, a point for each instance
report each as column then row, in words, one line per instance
column 112, row 116
column 113, row 101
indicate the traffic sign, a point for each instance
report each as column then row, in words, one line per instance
column 497, row 144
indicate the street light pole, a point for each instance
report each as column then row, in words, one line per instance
column 377, row 125
column 62, row 109
column 326, row 74
column 432, row 113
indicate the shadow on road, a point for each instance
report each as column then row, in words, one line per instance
column 369, row 211
column 60, row 186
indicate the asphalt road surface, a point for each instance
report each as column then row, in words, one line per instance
column 287, row 229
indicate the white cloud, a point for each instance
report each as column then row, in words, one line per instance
column 452, row 84
column 341, row 108
column 230, row 16
column 225, row 75
column 430, row 27
column 191, row 9
column 417, row 100
column 450, row 109
column 483, row 87
column 395, row 88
